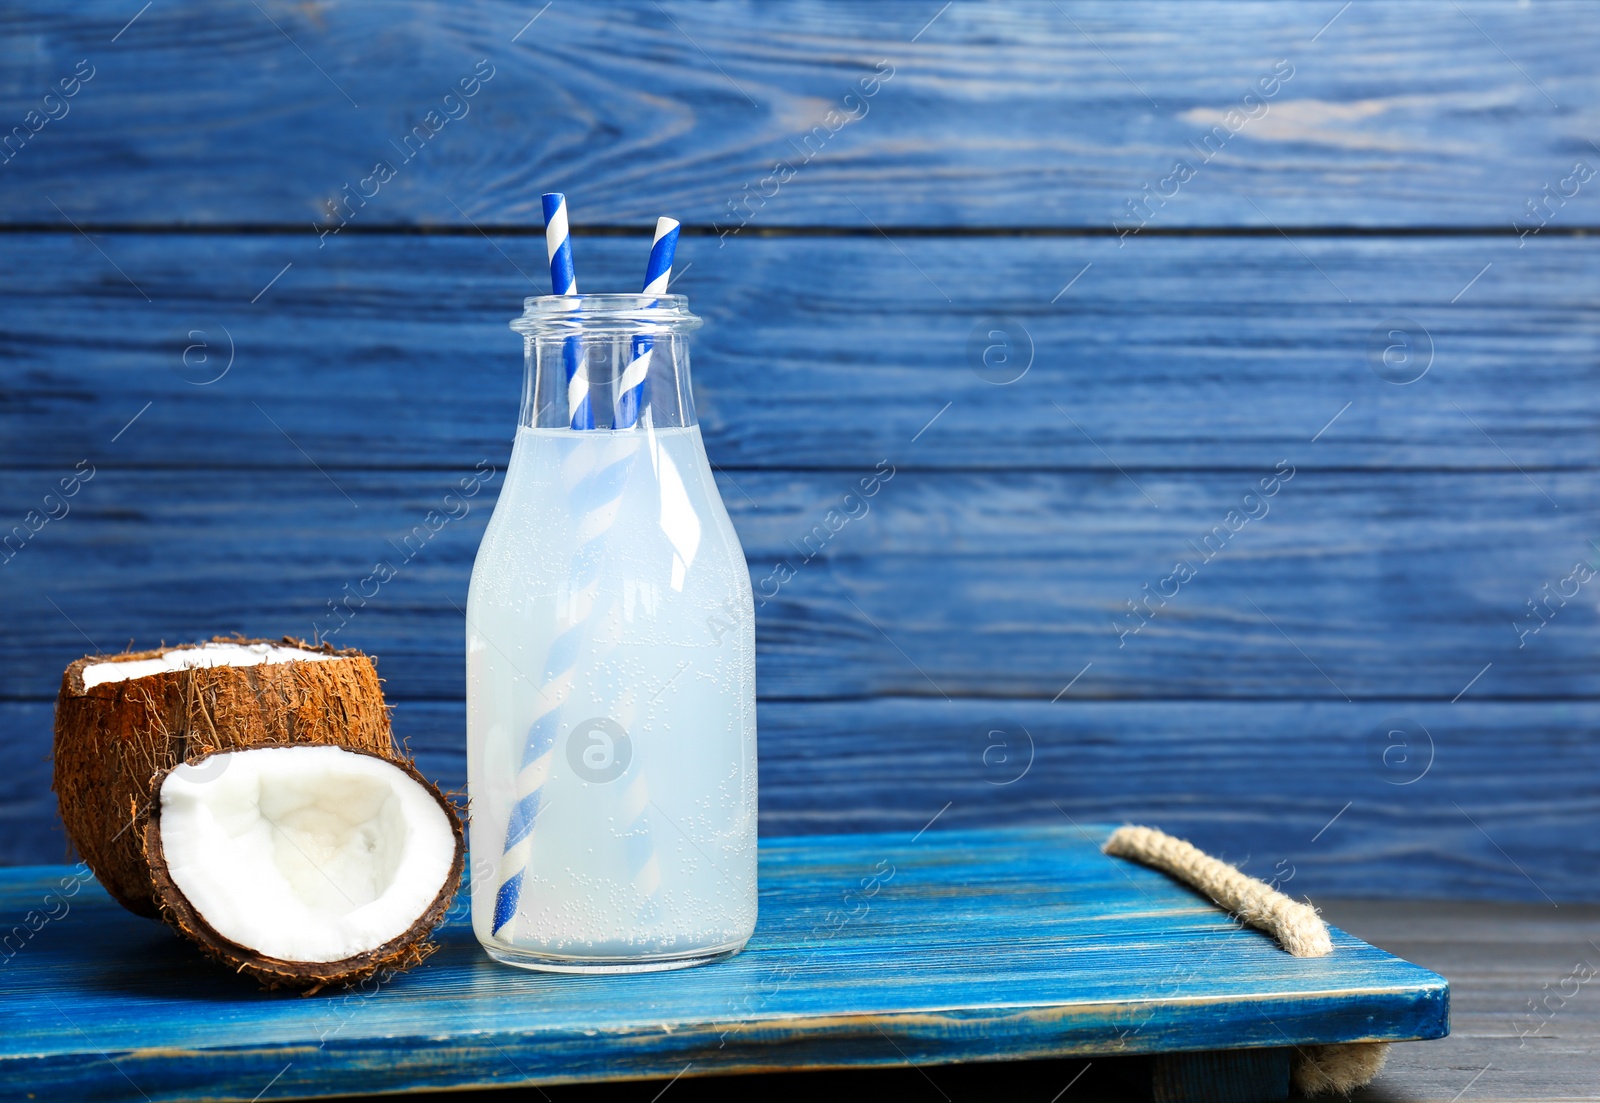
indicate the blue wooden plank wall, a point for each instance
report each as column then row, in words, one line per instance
column 1304, row 293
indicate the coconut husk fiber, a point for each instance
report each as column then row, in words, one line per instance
column 116, row 741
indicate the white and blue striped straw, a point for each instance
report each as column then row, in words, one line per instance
column 564, row 281
column 596, row 493
column 539, row 745
column 658, row 273
column 595, row 490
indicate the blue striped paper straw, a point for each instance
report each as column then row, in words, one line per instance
column 564, row 281
column 658, row 273
column 539, row 744
column 595, row 493
column 596, row 489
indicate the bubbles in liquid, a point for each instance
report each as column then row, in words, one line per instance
column 691, row 728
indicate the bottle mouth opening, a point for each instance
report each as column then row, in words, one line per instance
column 572, row 313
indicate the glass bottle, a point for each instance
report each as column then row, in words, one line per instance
column 611, row 725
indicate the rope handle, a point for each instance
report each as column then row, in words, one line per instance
column 1296, row 926
column 1314, row 1069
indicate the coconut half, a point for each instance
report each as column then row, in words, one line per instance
column 124, row 720
column 304, row 865
column 249, row 792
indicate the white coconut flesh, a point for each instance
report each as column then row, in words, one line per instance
column 210, row 654
column 310, row 854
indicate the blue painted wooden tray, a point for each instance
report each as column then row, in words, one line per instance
column 871, row 950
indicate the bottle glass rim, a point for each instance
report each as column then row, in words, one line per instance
column 563, row 313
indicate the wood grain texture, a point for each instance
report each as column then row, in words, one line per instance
column 30, row 828
column 1226, row 1076
column 1353, row 586
column 871, row 950
column 1300, row 792
column 1037, row 114
column 1496, row 956
column 837, row 352
column 368, row 371
column 1502, row 960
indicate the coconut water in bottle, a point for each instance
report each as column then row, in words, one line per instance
column 610, row 662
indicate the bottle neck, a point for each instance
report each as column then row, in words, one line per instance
column 614, row 381
column 606, row 362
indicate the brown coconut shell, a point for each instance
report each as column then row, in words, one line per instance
column 116, row 741
column 395, row 955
